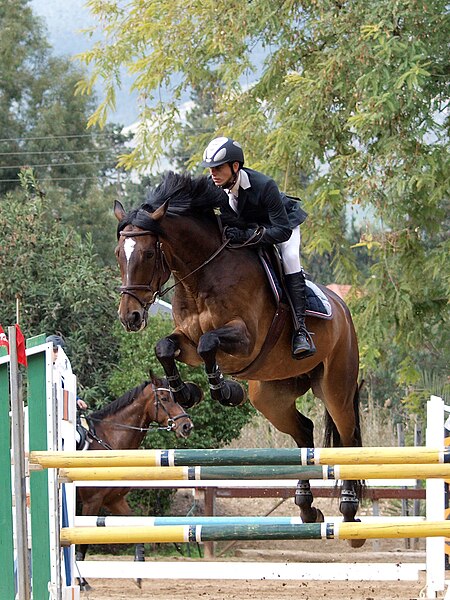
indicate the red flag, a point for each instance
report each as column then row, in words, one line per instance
column 20, row 345
column 3, row 339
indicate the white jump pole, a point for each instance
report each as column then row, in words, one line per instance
column 435, row 503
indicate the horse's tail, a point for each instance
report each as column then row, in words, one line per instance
column 332, row 439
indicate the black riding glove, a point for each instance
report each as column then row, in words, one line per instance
column 239, row 236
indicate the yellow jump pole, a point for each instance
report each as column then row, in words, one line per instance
column 214, row 532
column 237, row 456
column 337, row 472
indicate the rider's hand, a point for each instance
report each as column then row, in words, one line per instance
column 239, row 236
column 81, row 404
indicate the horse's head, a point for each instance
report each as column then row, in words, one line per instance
column 163, row 409
column 142, row 266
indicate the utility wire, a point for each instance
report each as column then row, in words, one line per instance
column 53, row 137
column 66, row 164
column 59, row 178
column 55, row 151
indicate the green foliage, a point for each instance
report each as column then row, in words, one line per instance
column 56, row 276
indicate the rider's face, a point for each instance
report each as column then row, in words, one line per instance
column 223, row 175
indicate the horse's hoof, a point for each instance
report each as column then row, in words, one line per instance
column 312, row 515
column 84, row 586
column 319, row 516
column 356, row 543
column 233, row 394
column 190, row 396
column 138, row 582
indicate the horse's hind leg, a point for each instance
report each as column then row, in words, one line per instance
column 338, row 388
column 276, row 401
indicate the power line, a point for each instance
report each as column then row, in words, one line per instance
column 58, row 178
column 53, row 137
column 55, row 151
column 66, row 164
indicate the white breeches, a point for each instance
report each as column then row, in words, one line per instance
column 290, row 253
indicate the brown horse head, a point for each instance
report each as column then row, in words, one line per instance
column 123, row 423
column 141, row 262
column 145, row 242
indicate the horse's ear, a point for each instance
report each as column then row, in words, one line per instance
column 119, row 210
column 161, row 211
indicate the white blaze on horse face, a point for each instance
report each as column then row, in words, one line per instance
column 128, row 247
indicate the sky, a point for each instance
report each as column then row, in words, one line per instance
column 64, row 20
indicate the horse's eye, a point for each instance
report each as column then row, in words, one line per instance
column 149, row 253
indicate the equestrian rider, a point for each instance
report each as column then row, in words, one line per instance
column 257, row 202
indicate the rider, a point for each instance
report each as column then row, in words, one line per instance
column 257, row 202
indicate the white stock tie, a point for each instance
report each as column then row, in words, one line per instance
column 232, row 201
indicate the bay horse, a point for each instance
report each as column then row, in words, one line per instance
column 122, row 425
column 223, row 308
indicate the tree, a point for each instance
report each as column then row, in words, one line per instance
column 55, row 274
column 350, row 93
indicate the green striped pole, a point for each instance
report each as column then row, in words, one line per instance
column 251, row 472
column 40, row 521
column 6, row 520
column 246, row 456
column 209, row 533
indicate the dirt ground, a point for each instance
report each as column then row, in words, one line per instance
column 329, row 551
column 254, row 590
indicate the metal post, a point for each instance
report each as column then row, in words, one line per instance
column 23, row 567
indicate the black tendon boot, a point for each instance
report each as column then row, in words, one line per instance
column 302, row 344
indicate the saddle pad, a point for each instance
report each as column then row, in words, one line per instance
column 317, row 303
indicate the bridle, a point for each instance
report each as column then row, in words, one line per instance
column 171, row 421
column 161, row 262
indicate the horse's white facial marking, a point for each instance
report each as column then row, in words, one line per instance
column 128, row 247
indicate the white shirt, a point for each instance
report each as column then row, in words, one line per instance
column 242, row 181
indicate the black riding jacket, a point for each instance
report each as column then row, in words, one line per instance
column 262, row 204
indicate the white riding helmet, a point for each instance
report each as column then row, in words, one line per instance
column 222, row 150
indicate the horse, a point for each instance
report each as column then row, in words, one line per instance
column 224, row 312
column 123, row 424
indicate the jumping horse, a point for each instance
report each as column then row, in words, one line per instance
column 122, row 425
column 223, row 308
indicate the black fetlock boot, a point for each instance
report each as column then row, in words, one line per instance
column 302, row 344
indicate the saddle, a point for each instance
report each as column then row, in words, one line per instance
column 317, row 303
column 84, row 431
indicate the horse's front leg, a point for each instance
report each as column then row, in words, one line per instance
column 232, row 339
column 187, row 394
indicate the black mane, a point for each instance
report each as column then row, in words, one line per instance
column 114, row 407
column 186, row 195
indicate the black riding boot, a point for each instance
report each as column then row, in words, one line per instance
column 302, row 344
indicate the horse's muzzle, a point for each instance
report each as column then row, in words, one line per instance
column 134, row 321
column 184, row 430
